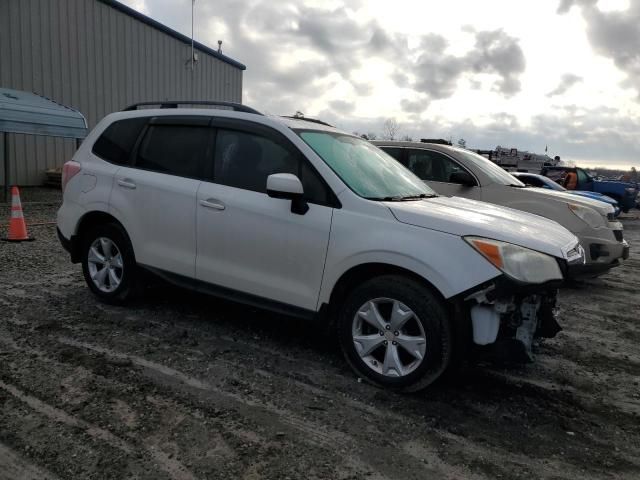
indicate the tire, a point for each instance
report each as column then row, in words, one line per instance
column 427, row 331
column 108, row 246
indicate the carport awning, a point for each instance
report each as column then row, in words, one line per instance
column 24, row 112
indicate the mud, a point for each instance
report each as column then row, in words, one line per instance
column 181, row 386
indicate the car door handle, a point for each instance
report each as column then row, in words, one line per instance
column 212, row 203
column 127, row 183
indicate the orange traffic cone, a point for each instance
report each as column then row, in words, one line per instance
column 17, row 227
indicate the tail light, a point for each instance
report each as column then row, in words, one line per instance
column 69, row 170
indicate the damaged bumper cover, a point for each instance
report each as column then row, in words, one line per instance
column 506, row 317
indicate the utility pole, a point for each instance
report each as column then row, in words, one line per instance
column 193, row 3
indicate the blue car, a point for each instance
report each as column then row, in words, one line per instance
column 625, row 193
column 540, row 181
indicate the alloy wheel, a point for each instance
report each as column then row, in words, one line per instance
column 389, row 337
column 105, row 264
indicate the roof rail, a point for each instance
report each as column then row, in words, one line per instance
column 237, row 107
column 307, row 119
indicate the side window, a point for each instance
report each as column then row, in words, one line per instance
column 173, row 149
column 582, row 176
column 245, row 160
column 533, row 181
column 433, row 166
column 117, row 141
column 394, row 152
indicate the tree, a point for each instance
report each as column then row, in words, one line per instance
column 390, row 129
column 462, row 143
column 406, row 138
column 371, row 136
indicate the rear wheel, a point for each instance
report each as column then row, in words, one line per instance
column 395, row 332
column 108, row 263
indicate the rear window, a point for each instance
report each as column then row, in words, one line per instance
column 117, row 141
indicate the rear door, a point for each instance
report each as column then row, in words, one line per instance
column 249, row 242
column 155, row 195
column 435, row 169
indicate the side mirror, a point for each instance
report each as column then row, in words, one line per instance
column 463, row 178
column 288, row 186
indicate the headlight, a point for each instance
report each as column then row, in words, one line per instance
column 518, row 262
column 587, row 215
column 630, row 190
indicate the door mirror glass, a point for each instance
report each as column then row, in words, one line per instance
column 287, row 185
column 463, row 178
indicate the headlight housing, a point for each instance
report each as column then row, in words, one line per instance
column 587, row 215
column 519, row 263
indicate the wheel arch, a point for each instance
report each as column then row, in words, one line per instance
column 461, row 321
column 88, row 221
column 365, row 271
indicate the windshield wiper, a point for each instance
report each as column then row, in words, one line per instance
column 400, row 198
column 384, row 199
column 419, row 196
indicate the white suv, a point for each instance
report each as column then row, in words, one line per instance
column 296, row 216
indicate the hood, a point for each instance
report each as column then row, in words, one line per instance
column 568, row 197
column 461, row 216
column 595, row 195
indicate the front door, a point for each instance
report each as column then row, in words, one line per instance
column 249, row 242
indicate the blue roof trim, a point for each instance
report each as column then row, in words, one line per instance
column 183, row 38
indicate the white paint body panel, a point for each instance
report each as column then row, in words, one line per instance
column 257, row 246
column 468, row 217
column 247, row 241
column 160, row 217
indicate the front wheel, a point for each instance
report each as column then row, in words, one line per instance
column 108, row 263
column 395, row 332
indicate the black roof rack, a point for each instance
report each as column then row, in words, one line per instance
column 437, row 141
column 237, row 107
column 307, row 119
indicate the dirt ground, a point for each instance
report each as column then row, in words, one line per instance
column 182, row 386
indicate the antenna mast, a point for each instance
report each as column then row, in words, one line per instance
column 193, row 3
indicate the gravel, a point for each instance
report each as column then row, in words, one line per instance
column 176, row 385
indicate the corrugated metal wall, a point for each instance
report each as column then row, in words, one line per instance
column 94, row 58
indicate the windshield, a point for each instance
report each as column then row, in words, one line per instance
column 539, row 181
column 553, row 185
column 493, row 171
column 366, row 169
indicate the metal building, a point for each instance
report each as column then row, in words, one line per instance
column 98, row 56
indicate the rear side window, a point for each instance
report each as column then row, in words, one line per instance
column 117, row 141
column 173, row 149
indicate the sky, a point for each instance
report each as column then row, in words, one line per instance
column 557, row 74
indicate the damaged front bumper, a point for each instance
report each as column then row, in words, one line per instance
column 506, row 318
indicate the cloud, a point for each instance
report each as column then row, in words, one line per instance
column 600, row 135
column 437, row 73
column 297, row 52
column 613, row 34
column 414, row 106
column 567, row 81
column 342, row 106
column 496, row 52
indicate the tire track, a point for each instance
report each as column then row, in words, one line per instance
column 316, row 434
column 170, row 466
